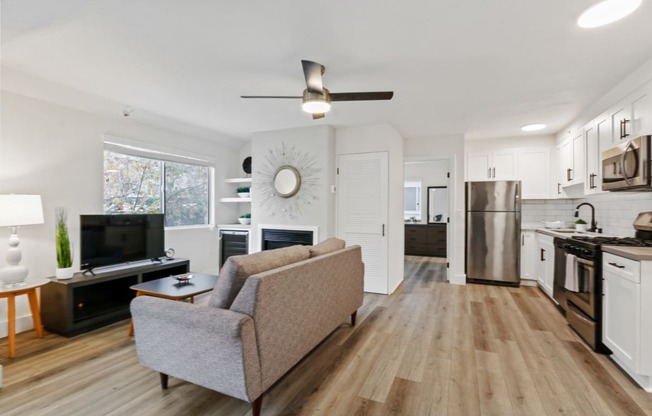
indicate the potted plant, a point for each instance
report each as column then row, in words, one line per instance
column 580, row 225
column 243, row 191
column 245, row 219
column 64, row 249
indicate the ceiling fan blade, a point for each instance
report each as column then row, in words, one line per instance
column 313, row 72
column 318, row 116
column 270, row 96
column 361, row 96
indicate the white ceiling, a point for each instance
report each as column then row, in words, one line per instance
column 482, row 68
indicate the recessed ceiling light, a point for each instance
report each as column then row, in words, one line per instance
column 533, row 127
column 606, row 12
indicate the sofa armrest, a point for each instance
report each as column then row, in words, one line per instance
column 211, row 347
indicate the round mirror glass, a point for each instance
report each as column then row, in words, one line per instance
column 287, row 181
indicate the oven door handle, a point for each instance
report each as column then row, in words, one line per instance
column 583, row 261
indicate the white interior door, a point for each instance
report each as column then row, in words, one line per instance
column 363, row 183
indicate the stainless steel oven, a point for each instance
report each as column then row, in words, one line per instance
column 626, row 167
column 583, row 294
column 581, row 289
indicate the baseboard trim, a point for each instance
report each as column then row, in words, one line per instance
column 23, row 323
column 529, row 282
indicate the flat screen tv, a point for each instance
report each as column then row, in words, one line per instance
column 114, row 239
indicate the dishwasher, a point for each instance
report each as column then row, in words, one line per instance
column 233, row 243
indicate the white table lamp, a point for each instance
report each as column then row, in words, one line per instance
column 17, row 210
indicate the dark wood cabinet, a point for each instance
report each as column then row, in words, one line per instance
column 83, row 303
column 425, row 240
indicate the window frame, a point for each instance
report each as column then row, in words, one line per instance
column 163, row 158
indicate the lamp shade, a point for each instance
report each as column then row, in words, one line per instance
column 18, row 210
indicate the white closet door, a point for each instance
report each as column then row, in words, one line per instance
column 362, row 212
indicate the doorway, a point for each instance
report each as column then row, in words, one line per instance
column 426, row 216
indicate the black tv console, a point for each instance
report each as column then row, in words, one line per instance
column 83, row 303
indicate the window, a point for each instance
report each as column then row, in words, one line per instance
column 136, row 184
column 412, row 200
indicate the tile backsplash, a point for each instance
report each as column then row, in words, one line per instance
column 615, row 212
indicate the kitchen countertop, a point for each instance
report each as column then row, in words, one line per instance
column 633, row 253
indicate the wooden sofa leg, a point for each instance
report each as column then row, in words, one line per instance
column 257, row 405
column 353, row 316
column 164, row 381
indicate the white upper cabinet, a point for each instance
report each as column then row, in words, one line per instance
column 571, row 160
column 498, row 165
column 632, row 117
column 597, row 137
column 533, row 169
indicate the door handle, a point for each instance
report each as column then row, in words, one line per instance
column 568, row 179
column 383, row 230
column 542, row 257
column 558, row 188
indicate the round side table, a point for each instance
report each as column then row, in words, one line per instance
column 10, row 292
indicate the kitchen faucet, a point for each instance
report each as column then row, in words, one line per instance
column 594, row 225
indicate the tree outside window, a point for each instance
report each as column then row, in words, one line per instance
column 138, row 185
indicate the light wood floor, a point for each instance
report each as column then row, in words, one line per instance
column 429, row 349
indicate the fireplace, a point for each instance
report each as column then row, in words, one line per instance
column 272, row 238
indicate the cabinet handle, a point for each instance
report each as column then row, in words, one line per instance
column 542, row 253
column 558, row 188
column 383, row 230
column 617, row 265
column 568, row 175
column 592, row 181
column 494, row 173
column 623, row 128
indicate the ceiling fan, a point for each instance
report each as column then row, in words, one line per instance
column 317, row 99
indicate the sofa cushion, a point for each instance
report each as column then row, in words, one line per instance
column 237, row 269
column 326, row 246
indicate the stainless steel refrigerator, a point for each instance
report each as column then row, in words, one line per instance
column 493, row 230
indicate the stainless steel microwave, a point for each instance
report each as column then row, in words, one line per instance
column 626, row 167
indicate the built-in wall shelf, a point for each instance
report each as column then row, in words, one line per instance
column 238, row 199
column 238, row 180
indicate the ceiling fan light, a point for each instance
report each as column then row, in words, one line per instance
column 316, row 106
column 605, row 12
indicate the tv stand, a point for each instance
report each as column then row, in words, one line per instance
column 83, row 303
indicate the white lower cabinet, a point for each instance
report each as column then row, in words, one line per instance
column 545, row 255
column 626, row 321
column 528, row 255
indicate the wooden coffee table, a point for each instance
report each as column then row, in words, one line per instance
column 171, row 288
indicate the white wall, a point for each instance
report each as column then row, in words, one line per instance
column 383, row 138
column 57, row 152
column 536, row 140
column 315, row 203
column 429, row 173
column 452, row 148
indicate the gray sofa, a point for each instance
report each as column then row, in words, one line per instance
column 267, row 311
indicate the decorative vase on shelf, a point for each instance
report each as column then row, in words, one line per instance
column 244, row 221
column 244, row 194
